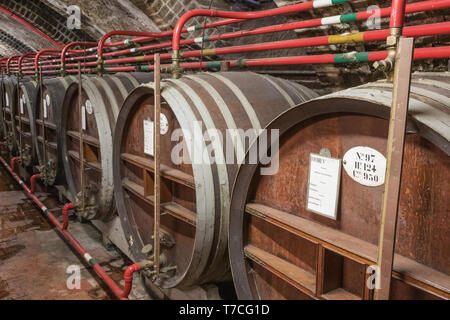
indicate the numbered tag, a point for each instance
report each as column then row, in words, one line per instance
column 83, row 117
column 323, row 185
column 89, row 108
column 164, row 124
column 44, row 105
column 366, row 166
column 148, row 137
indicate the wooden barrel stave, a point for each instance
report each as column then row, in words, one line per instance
column 221, row 101
column 105, row 95
column 275, row 205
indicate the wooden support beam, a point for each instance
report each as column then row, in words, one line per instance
column 157, row 161
column 394, row 158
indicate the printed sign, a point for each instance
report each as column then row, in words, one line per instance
column 148, row 137
column 44, row 105
column 83, row 117
column 365, row 165
column 89, row 108
column 323, row 185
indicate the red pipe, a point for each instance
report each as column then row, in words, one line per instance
column 108, row 35
column 30, row 26
column 414, row 31
column 33, row 182
column 120, row 294
column 397, row 13
column 65, row 214
column 9, row 61
column 48, row 52
column 241, row 15
column 73, row 44
column 128, row 277
column 13, row 162
column 29, row 54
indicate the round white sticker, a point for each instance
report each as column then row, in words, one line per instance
column 164, row 124
column 365, row 165
column 89, row 108
column 47, row 98
column 7, row 99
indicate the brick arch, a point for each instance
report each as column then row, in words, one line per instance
column 46, row 19
column 12, row 42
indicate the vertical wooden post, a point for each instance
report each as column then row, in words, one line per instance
column 41, row 106
column 80, row 131
column 395, row 148
column 157, row 159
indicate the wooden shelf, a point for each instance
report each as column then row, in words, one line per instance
column 405, row 269
column 86, row 138
column 26, row 134
column 296, row 276
column 167, row 172
column 340, row 294
column 49, row 125
column 24, row 120
column 50, row 144
column 172, row 208
column 93, row 165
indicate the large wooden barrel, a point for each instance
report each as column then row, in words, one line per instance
column 8, row 103
column 102, row 98
column 195, row 195
column 24, row 122
column 281, row 250
column 47, row 140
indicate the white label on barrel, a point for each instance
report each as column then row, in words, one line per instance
column 164, row 124
column 89, row 108
column 365, row 165
column 47, row 98
column 21, row 106
column 7, row 99
column 44, row 105
column 83, row 117
column 323, row 185
column 148, row 137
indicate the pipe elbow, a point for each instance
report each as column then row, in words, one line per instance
column 33, row 182
column 65, row 214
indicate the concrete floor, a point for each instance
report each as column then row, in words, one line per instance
column 34, row 258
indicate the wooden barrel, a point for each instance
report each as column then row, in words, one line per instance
column 102, row 98
column 47, row 140
column 195, row 195
column 24, row 121
column 8, row 103
column 287, row 244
